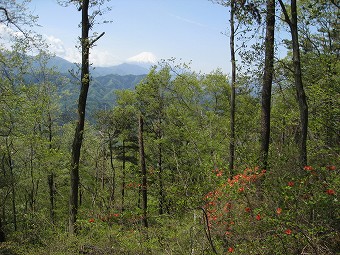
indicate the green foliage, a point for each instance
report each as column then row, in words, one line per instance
column 282, row 211
column 286, row 210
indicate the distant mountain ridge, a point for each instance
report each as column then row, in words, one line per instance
column 101, row 94
column 106, row 80
column 131, row 68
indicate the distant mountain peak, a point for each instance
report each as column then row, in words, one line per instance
column 144, row 57
column 133, row 68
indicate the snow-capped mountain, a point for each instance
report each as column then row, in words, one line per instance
column 143, row 58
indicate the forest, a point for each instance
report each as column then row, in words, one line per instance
column 185, row 162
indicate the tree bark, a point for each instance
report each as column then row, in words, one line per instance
column 160, row 169
column 143, row 171
column 51, row 185
column 113, row 186
column 300, row 92
column 2, row 213
column 233, row 89
column 78, row 136
column 267, row 83
column 123, row 178
column 301, row 96
column 50, row 177
column 2, row 233
column 13, row 190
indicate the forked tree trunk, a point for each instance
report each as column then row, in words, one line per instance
column 301, row 96
column 300, row 92
column 267, row 83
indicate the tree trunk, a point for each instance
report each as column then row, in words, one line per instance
column 51, row 185
column 33, row 190
column 2, row 215
column 113, row 186
column 143, row 171
column 160, row 171
column 50, row 177
column 300, row 92
column 233, row 89
column 2, row 233
column 13, row 191
column 78, row 136
column 267, row 83
column 160, row 178
column 301, row 96
column 123, row 178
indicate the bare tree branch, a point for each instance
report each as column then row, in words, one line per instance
column 96, row 39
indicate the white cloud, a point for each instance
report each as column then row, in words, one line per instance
column 7, row 33
column 103, row 57
column 144, row 57
column 55, row 45
column 98, row 56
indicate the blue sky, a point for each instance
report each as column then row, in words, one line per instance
column 184, row 29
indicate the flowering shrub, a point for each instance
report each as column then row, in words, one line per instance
column 260, row 212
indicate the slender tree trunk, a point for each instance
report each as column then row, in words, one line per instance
column 143, row 171
column 160, row 171
column 50, row 180
column 301, row 96
column 2, row 233
column 160, row 177
column 2, row 215
column 267, row 83
column 123, row 178
column 14, row 208
column 50, row 177
column 233, row 89
column 78, row 136
column 300, row 92
column 32, row 192
column 113, row 186
column 13, row 191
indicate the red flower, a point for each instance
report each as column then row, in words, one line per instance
column 330, row 192
column 247, row 209
column 258, row 217
column 308, row 168
column 264, row 171
column 288, row 231
column 91, row 220
column 116, row 214
column 241, row 189
column 290, row 184
column 279, row 210
column 230, row 249
column 331, row 168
